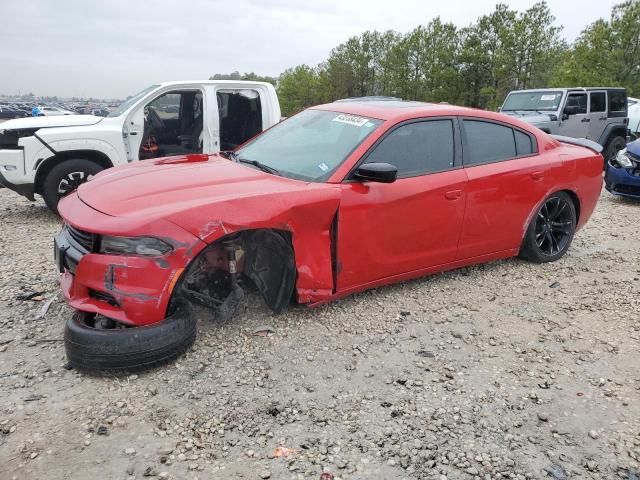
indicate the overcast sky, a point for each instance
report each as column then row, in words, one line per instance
column 114, row 48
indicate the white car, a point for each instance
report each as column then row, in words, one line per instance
column 50, row 111
column 634, row 117
column 51, row 156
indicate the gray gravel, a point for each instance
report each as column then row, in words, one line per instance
column 502, row 371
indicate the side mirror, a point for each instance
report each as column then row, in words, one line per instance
column 377, row 172
column 571, row 110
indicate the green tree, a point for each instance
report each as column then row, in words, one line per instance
column 298, row 89
column 606, row 53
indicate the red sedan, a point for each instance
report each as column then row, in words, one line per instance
column 337, row 199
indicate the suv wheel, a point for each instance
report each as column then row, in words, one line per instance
column 66, row 178
column 613, row 147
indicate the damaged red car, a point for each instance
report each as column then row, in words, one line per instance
column 337, row 199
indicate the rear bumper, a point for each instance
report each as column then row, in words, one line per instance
column 624, row 182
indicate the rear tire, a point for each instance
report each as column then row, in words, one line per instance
column 65, row 178
column 613, row 147
column 551, row 230
column 122, row 350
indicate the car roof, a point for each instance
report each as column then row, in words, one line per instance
column 388, row 110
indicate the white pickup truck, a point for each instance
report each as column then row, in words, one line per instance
column 51, row 156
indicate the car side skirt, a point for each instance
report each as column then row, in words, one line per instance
column 417, row 274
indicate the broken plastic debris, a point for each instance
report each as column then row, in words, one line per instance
column 556, row 472
column 285, row 452
column 426, row 353
column 29, row 295
column 45, row 307
column 326, row 476
column 264, row 331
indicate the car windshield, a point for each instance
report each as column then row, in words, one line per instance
column 532, row 101
column 310, row 145
column 130, row 101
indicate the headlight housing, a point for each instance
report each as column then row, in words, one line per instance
column 145, row 246
column 623, row 159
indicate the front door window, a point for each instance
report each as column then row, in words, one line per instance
column 173, row 125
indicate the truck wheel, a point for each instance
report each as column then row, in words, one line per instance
column 65, row 178
column 121, row 350
column 613, row 147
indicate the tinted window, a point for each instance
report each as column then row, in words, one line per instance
column 524, row 144
column 598, row 102
column 617, row 101
column 417, row 148
column 488, row 142
column 578, row 100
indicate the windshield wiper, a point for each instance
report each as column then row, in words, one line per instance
column 258, row 165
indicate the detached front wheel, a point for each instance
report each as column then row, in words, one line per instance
column 97, row 345
column 65, row 178
column 551, row 230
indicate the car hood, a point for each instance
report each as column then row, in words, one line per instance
column 531, row 117
column 50, row 122
column 168, row 188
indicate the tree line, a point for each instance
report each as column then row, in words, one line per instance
column 475, row 65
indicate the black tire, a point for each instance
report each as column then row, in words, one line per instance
column 65, row 177
column 613, row 147
column 126, row 350
column 551, row 230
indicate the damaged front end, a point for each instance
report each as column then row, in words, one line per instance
column 218, row 277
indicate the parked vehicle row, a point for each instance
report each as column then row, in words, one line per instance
column 8, row 111
column 337, row 199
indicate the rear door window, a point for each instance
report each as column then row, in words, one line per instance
column 240, row 112
column 598, row 102
column 524, row 143
column 487, row 142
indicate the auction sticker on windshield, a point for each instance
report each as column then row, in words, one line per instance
column 548, row 97
column 351, row 120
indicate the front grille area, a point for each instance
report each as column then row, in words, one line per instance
column 86, row 240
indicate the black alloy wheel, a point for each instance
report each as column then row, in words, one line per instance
column 551, row 229
column 554, row 226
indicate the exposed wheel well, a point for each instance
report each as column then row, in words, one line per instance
column 47, row 165
column 616, row 132
column 264, row 256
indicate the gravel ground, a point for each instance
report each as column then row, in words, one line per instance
column 503, row 371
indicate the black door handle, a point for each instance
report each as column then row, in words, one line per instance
column 602, row 118
column 585, row 120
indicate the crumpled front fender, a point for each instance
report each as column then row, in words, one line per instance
column 307, row 215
